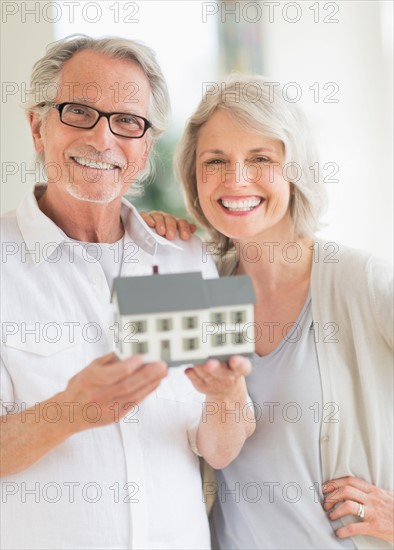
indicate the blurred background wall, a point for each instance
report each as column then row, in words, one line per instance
column 334, row 58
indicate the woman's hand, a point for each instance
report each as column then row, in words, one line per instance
column 348, row 493
column 168, row 226
column 221, row 381
column 228, row 417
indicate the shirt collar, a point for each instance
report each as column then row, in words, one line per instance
column 145, row 237
column 43, row 236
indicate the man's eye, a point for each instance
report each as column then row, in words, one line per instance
column 126, row 119
column 76, row 111
column 261, row 159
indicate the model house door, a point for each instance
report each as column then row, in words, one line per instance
column 165, row 350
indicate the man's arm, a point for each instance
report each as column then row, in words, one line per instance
column 113, row 387
column 228, row 415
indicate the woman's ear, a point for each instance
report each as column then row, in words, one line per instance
column 36, row 126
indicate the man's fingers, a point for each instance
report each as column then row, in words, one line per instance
column 107, row 359
column 108, row 373
column 147, row 375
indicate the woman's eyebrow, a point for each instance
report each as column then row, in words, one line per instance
column 214, row 151
column 255, row 150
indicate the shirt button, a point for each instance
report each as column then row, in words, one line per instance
column 95, row 281
column 150, row 240
column 325, row 438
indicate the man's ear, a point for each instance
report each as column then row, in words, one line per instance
column 148, row 146
column 36, row 126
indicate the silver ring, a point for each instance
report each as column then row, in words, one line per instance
column 361, row 511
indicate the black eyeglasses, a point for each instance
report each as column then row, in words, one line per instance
column 121, row 124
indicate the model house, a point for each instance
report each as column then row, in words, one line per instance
column 183, row 318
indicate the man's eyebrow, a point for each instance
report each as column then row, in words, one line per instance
column 87, row 103
column 80, row 100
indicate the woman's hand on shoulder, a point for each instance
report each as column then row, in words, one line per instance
column 168, row 226
column 354, row 496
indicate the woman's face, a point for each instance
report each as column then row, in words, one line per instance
column 240, row 183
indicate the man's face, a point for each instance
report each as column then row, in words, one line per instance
column 95, row 165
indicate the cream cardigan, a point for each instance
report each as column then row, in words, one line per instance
column 354, row 295
column 352, row 308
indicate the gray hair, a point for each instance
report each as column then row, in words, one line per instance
column 256, row 104
column 46, row 71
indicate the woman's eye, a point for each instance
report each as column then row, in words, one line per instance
column 215, row 161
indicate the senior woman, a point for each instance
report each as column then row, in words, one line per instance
column 318, row 471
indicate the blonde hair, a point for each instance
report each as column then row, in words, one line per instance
column 257, row 105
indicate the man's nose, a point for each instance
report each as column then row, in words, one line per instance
column 100, row 136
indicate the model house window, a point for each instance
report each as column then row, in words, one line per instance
column 218, row 317
column 190, row 344
column 218, row 340
column 238, row 316
column 164, row 324
column 139, row 327
column 189, row 322
column 238, row 338
column 140, row 347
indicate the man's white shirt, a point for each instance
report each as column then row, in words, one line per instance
column 131, row 484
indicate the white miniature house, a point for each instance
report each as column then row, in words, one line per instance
column 183, row 318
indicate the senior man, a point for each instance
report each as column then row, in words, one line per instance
column 98, row 452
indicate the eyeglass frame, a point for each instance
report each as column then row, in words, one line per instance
column 60, row 107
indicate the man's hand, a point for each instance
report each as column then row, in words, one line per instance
column 168, row 226
column 228, row 417
column 111, row 388
column 101, row 393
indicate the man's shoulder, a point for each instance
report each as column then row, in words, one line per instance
column 9, row 226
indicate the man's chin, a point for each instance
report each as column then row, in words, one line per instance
column 100, row 196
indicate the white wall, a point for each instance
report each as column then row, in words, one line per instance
column 356, row 133
column 186, row 48
column 23, row 41
column 355, row 53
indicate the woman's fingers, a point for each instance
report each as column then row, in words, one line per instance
column 169, row 226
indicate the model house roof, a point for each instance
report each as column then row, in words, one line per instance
column 228, row 291
column 180, row 292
